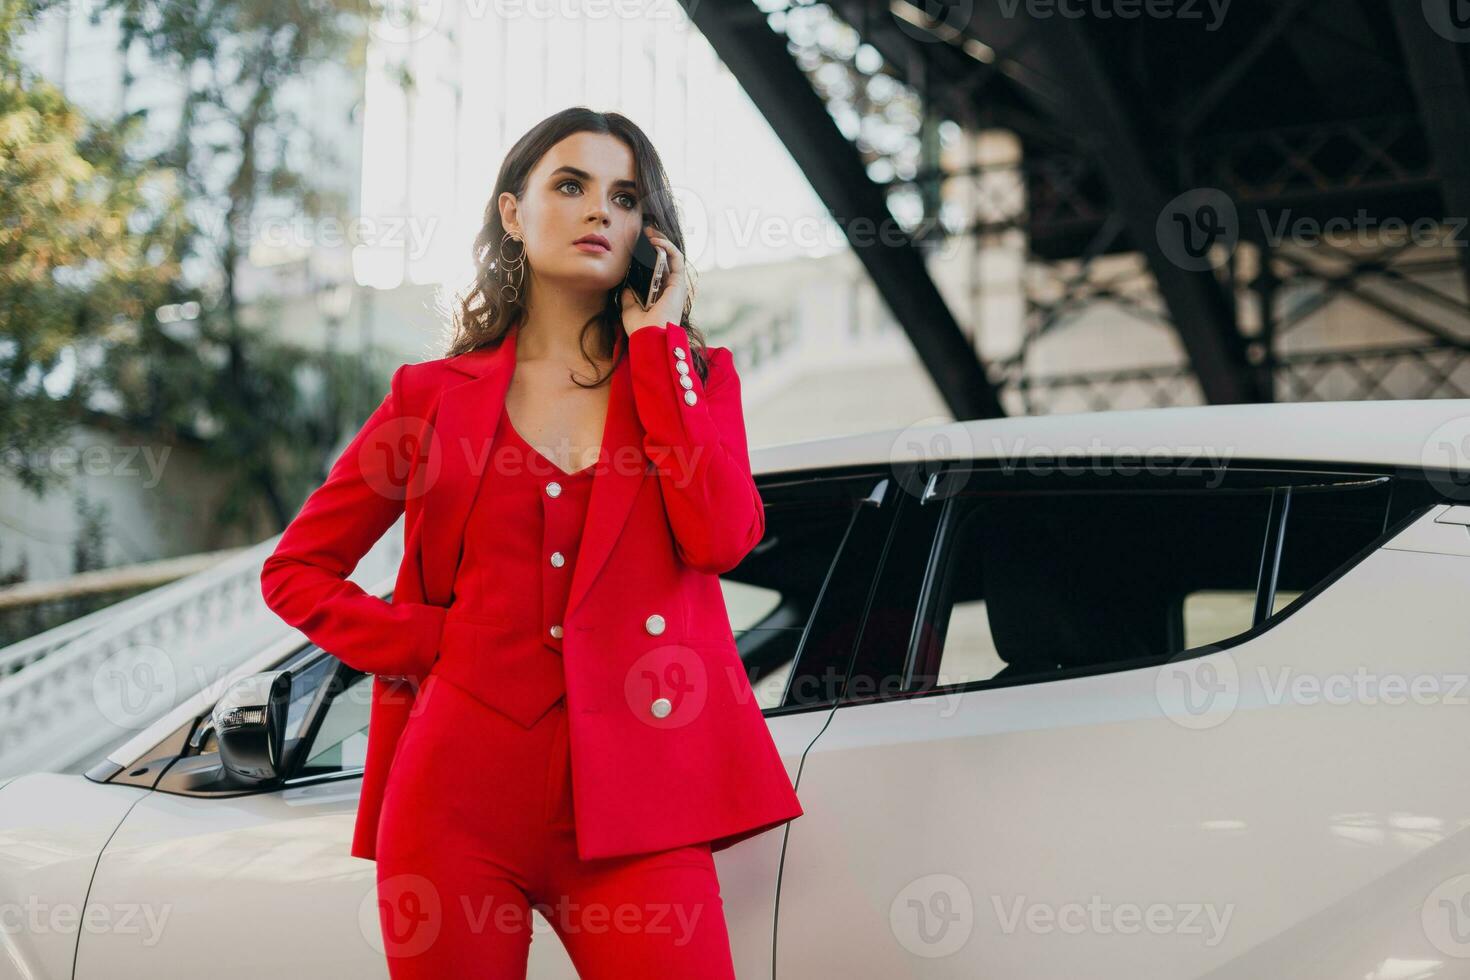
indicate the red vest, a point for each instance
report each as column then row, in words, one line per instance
column 502, row 639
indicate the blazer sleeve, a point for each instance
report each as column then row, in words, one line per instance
column 304, row 580
column 695, row 437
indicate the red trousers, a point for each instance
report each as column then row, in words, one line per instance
column 477, row 829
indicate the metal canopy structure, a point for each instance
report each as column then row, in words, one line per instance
column 1170, row 130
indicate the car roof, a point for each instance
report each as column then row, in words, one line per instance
column 1429, row 432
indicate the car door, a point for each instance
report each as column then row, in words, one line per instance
column 1081, row 748
column 794, row 604
column 239, row 883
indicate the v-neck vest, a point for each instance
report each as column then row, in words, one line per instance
column 521, row 539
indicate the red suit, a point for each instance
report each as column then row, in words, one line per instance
column 668, row 746
column 477, row 822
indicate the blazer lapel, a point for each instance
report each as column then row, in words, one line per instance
column 464, row 427
column 621, row 466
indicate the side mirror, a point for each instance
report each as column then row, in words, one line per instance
column 250, row 725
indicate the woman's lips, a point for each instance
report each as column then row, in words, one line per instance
column 591, row 247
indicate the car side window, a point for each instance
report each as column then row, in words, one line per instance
column 1324, row 527
column 784, row 598
column 889, row 627
column 307, row 691
column 1035, row 584
column 1044, row 581
column 338, row 742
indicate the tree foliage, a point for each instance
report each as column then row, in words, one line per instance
column 120, row 298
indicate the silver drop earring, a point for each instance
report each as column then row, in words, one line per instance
column 511, row 269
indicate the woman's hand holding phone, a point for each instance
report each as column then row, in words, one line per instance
column 668, row 304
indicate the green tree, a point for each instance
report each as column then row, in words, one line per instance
column 120, row 304
column 233, row 147
column 85, row 248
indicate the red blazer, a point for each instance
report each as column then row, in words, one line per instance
column 669, row 746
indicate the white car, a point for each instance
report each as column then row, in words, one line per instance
column 1165, row 693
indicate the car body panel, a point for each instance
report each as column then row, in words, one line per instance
column 273, row 865
column 975, row 833
column 52, row 827
column 200, row 856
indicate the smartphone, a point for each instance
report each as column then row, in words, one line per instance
column 647, row 270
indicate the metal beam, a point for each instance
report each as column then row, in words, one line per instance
column 1200, row 310
column 1438, row 76
column 1351, row 283
column 1221, row 85
column 758, row 58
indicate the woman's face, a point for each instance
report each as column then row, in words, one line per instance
column 582, row 186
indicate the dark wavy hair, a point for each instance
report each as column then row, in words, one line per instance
column 481, row 316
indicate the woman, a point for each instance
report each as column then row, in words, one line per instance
column 560, row 718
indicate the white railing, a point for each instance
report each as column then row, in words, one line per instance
column 100, row 679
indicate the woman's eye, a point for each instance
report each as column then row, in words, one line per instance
column 632, row 201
